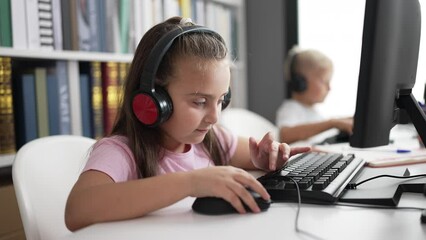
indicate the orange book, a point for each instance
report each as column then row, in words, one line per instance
column 7, row 129
column 122, row 73
column 110, row 91
column 97, row 100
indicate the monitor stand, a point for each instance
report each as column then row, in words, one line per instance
column 388, row 196
column 407, row 102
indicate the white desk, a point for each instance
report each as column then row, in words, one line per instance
column 318, row 222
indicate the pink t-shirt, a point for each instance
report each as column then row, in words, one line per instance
column 112, row 156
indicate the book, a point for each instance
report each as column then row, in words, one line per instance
column 39, row 25
column 123, row 69
column 417, row 157
column 94, row 25
column 24, row 106
column 57, row 24
column 75, row 99
column 408, row 151
column 185, row 8
column 74, row 25
column 53, row 101
column 97, row 99
column 5, row 24
column 19, row 24
column 143, row 18
column 58, row 99
column 132, row 41
column 83, row 25
column 102, row 25
column 171, row 8
column 86, row 106
column 210, row 15
column 234, row 48
column 64, row 97
column 7, row 130
column 157, row 11
column 124, row 23
column 112, row 26
column 41, row 101
column 110, row 85
column 45, row 24
column 66, row 25
column 199, row 12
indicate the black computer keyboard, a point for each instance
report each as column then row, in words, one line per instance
column 321, row 177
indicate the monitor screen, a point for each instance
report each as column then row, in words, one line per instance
column 389, row 55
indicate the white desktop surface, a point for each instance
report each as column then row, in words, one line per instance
column 316, row 222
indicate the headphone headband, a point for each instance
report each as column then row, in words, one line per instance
column 297, row 81
column 152, row 104
column 160, row 49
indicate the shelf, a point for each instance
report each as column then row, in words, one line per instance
column 73, row 59
column 235, row 3
column 65, row 55
column 6, row 160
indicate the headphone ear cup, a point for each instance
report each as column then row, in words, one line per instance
column 152, row 108
column 226, row 99
column 298, row 83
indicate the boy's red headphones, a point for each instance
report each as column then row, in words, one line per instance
column 152, row 104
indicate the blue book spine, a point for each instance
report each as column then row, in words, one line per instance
column 63, row 97
column 95, row 37
column 101, row 25
column 66, row 25
column 53, row 104
column 86, row 106
column 83, row 25
column 26, row 109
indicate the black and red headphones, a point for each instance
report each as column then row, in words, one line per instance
column 152, row 104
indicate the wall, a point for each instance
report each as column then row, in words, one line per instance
column 265, row 56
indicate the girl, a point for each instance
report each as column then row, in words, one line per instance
column 138, row 169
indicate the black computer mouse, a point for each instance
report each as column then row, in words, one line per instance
column 341, row 137
column 218, row 206
column 424, row 189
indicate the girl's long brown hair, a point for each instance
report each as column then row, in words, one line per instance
column 145, row 142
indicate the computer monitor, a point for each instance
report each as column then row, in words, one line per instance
column 389, row 55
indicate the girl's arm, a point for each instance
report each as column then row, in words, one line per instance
column 241, row 158
column 97, row 198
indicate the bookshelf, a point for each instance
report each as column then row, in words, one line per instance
column 64, row 55
column 74, row 58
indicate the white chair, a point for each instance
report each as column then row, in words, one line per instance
column 246, row 123
column 44, row 171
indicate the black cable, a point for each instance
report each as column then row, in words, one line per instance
column 378, row 206
column 299, row 204
column 353, row 186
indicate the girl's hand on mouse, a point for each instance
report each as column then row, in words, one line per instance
column 269, row 154
column 229, row 183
